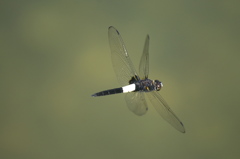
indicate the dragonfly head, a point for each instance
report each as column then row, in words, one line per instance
column 158, row 85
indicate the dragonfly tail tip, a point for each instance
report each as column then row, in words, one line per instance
column 94, row 95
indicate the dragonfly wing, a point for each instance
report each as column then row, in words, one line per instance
column 121, row 61
column 136, row 102
column 164, row 110
column 144, row 62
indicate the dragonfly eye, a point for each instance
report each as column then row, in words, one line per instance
column 158, row 85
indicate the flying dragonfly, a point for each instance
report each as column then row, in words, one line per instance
column 136, row 85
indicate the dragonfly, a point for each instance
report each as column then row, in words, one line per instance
column 137, row 86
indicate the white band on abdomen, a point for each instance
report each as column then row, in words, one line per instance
column 129, row 88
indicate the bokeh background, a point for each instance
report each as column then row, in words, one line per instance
column 55, row 54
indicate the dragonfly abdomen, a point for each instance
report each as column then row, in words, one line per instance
column 125, row 89
column 108, row 92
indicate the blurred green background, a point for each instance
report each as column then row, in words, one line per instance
column 55, row 54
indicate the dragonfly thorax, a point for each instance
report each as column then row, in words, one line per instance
column 148, row 85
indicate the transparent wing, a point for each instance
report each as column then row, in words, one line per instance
column 144, row 62
column 136, row 102
column 164, row 110
column 122, row 64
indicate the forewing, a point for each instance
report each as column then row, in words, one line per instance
column 164, row 110
column 121, row 61
column 144, row 62
column 136, row 102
